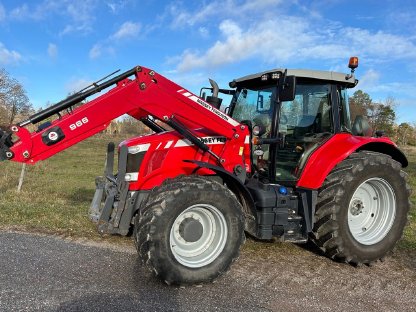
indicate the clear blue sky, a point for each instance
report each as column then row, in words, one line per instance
column 55, row 47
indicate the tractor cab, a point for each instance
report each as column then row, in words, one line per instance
column 291, row 113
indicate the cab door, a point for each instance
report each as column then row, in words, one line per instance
column 303, row 124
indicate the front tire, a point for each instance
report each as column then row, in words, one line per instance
column 362, row 208
column 190, row 230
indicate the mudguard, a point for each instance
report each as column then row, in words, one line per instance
column 336, row 149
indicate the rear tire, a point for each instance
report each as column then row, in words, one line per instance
column 190, row 230
column 362, row 208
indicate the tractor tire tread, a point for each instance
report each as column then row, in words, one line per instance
column 326, row 231
column 154, row 209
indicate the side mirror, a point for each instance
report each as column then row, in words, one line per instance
column 287, row 89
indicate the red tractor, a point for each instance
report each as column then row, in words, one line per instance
column 283, row 160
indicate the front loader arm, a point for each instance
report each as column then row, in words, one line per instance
column 140, row 93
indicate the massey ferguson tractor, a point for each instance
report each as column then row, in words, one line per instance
column 282, row 161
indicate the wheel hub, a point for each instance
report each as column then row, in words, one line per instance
column 356, row 207
column 372, row 210
column 191, row 230
column 198, row 235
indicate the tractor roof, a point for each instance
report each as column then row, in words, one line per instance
column 303, row 73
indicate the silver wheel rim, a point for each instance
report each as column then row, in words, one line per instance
column 371, row 211
column 208, row 246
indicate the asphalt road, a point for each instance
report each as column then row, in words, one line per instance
column 46, row 273
column 40, row 273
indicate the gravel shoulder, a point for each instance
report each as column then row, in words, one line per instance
column 51, row 273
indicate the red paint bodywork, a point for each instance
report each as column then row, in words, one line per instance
column 332, row 152
column 165, row 157
column 148, row 93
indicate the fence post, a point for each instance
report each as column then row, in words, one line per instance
column 22, row 175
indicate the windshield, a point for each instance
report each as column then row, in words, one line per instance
column 250, row 103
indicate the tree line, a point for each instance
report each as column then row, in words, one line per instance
column 382, row 117
column 14, row 102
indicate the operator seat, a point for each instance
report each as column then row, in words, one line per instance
column 361, row 127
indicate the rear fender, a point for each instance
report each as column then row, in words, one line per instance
column 338, row 148
column 388, row 149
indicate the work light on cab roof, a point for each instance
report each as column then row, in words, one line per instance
column 272, row 76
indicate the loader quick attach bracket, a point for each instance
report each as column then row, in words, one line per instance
column 114, row 216
column 5, row 144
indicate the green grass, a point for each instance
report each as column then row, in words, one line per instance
column 409, row 237
column 56, row 193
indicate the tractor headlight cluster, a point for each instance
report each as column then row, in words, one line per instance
column 131, row 176
column 134, row 161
